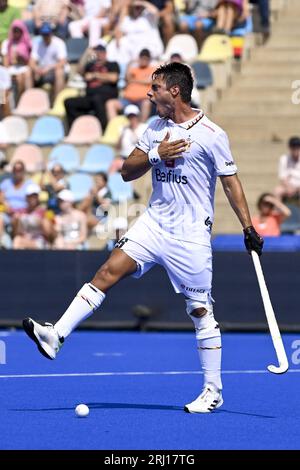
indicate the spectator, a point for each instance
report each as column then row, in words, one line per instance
column 96, row 204
column 5, row 92
column 48, row 59
column 264, row 11
column 16, row 54
column 289, row 172
column 7, row 15
column 166, row 18
column 4, row 172
column 199, row 16
column 55, row 12
column 53, row 183
column 137, row 29
column 101, row 77
column 95, row 16
column 138, row 80
column 31, row 228
column 272, row 213
column 70, row 225
column 230, row 13
column 13, row 190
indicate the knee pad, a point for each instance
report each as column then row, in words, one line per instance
column 206, row 325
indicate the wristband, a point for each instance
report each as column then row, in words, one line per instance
column 154, row 157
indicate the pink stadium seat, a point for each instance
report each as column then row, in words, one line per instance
column 31, row 156
column 85, row 130
column 33, row 102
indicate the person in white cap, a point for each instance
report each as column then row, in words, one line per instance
column 31, row 228
column 70, row 225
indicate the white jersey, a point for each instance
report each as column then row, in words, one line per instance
column 182, row 202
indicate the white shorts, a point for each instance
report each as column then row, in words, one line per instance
column 188, row 264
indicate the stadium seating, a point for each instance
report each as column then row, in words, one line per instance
column 65, row 155
column 203, row 74
column 47, row 130
column 85, row 130
column 113, row 130
column 98, row 158
column 183, row 44
column 33, row 102
column 76, row 48
column 58, row 108
column 16, row 129
column 31, row 156
column 121, row 191
column 21, row 4
column 80, row 185
column 216, row 48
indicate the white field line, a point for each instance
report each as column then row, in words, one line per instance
column 126, row 374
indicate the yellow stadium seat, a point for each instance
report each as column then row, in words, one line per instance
column 59, row 106
column 216, row 48
column 113, row 130
column 21, row 4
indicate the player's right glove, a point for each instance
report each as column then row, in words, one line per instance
column 253, row 241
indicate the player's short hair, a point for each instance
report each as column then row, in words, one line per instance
column 178, row 74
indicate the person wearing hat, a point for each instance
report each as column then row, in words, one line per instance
column 31, row 228
column 49, row 59
column 70, row 226
column 289, row 172
column 101, row 78
column 138, row 79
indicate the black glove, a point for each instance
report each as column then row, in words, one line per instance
column 252, row 240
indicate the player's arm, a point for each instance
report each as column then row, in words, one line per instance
column 236, row 197
column 139, row 162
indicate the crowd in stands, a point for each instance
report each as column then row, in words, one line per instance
column 121, row 44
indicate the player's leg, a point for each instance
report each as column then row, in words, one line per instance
column 189, row 267
column 50, row 338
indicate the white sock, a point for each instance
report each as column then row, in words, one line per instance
column 210, row 353
column 88, row 299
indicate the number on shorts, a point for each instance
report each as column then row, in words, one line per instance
column 121, row 242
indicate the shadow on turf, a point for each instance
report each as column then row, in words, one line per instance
column 100, row 406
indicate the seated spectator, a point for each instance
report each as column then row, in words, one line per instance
column 166, row 18
column 16, row 52
column 4, row 171
column 137, row 29
column 96, row 204
column 7, row 15
column 264, row 12
column 95, row 16
column 13, row 190
column 52, row 183
column 31, row 229
column 70, row 225
column 272, row 213
column 49, row 59
column 101, row 78
column 289, row 172
column 138, row 80
column 230, row 13
column 5, row 91
column 199, row 16
column 54, row 12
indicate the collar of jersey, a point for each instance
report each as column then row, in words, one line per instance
column 188, row 124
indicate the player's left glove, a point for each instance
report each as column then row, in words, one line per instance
column 253, row 241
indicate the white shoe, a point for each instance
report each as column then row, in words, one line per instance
column 45, row 337
column 209, row 400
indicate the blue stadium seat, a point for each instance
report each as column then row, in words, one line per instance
column 75, row 49
column 203, row 74
column 47, row 130
column 67, row 156
column 121, row 191
column 80, row 185
column 98, row 158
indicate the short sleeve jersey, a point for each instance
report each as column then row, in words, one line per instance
column 182, row 202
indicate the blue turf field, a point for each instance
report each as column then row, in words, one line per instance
column 145, row 410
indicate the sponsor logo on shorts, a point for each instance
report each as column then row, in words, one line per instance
column 229, row 163
column 121, row 242
column 170, row 177
column 192, row 289
column 208, row 223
